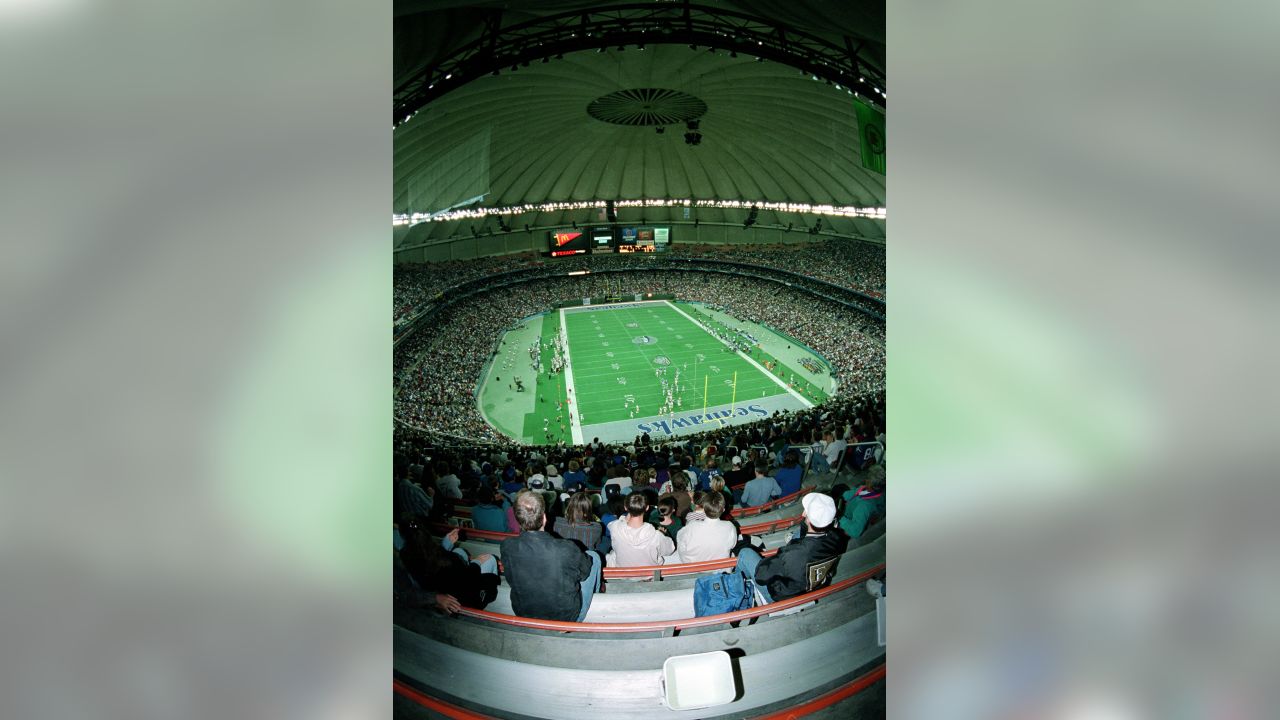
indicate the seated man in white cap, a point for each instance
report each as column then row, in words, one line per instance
column 804, row 564
column 738, row 475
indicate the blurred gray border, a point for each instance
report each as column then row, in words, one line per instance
column 195, row 359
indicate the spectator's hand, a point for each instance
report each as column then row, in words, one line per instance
column 453, row 535
column 448, row 603
column 431, row 491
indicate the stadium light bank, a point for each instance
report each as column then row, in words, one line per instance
column 875, row 213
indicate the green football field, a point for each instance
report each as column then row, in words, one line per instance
column 619, row 357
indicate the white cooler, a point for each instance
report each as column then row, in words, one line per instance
column 697, row 681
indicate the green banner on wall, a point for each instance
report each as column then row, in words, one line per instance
column 871, row 131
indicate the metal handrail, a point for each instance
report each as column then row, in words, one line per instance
column 674, row 625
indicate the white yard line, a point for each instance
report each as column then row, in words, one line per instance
column 575, row 422
column 748, row 358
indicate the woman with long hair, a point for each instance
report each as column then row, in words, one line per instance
column 579, row 523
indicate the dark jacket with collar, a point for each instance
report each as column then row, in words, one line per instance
column 787, row 573
column 545, row 574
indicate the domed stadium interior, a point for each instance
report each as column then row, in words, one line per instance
column 639, row 364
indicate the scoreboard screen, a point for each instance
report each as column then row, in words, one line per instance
column 569, row 242
column 598, row 239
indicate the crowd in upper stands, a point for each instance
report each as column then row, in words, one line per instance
column 414, row 285
column 857, row 266
column 438, row 392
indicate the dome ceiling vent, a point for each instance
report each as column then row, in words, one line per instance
column 647, row 107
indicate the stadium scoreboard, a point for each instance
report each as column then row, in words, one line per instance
column 601, row 239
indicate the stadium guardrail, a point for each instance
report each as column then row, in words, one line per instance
column 675, row 626
column 822, row 702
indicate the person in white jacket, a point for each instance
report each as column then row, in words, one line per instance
column 636, row 542
column 705, row 536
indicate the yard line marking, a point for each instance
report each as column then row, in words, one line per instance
column 748, row 358
column 575, row 424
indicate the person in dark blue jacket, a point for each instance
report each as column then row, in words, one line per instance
column 491, row 512
column 790, row 474
column 550, row 578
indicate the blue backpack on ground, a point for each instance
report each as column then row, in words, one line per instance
column 722, row 593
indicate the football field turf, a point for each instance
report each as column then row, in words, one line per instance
column 620, row 355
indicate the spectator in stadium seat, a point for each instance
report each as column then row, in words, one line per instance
column 706, row 536
column 512, row 483
column 788, row 476
column 762, row 488
column 553, row 477
column 448, row 483
column 441, row 567
column 639, row 480
column 617, row 476
column 834, row 449
column 491, row 512
column 411, row 499
column 574, row 478
column 717, row 485
column 578, row 523
column 612, row 510
column 710, row 467
column 665, row 518
column 636, row 542
column 739, row 475
column 788, row 573
column 818, row 459
column 863, row 504
column 406, row 591
column 550, row 578
column 661, row 476
column 682, row 494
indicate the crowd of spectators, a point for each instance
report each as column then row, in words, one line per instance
column 415, row 285
column 437, row 369
column 673, row 505
column 856, row 266
column 430, row 463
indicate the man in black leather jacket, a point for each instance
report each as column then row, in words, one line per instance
column 550, row 578
column 800, row 566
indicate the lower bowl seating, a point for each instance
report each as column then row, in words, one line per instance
column 825, row 658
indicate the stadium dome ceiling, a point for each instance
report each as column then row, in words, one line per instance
column 768, row 131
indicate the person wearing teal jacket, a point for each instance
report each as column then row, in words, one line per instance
column 861, row 505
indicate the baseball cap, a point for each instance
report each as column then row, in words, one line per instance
column 537, row 482
column 737, row 459
column 819, row 508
